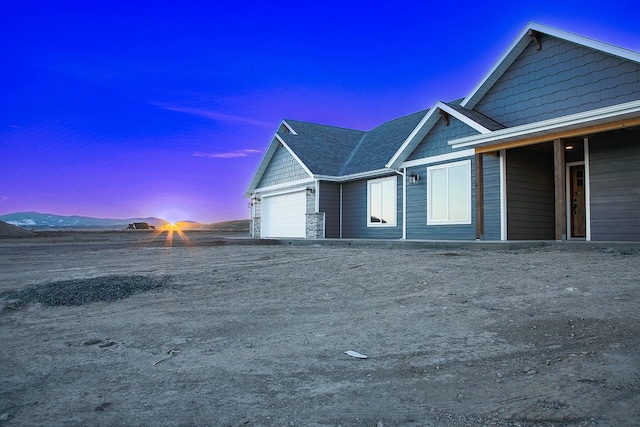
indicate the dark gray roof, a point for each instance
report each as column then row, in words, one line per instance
column 323, row 149
column 380, row 144
column 334, row 151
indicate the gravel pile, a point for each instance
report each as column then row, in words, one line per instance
column 86, row 291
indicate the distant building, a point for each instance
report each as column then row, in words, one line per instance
column 140, row 226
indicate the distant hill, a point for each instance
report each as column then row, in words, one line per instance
column 40, row 221
column 8, row 230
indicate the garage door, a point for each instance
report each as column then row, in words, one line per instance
column 284, row 215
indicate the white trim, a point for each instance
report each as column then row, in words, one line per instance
column 412, row 135
column 279, row 193
column 288, row 126
column 394, row 198
column 439, row 158
column 317, row 195
column 572, row 121
column 266, row 159
column 341, row 210
column 295, row 156
column 283, row 185
column 567, row 193
column 522, row 41
column 428, row 121
column 403, row 174
column 464, row 119
column 355, row 176
column 447, row 166
column 503, row 194
column 587, row 189
column 404, row 204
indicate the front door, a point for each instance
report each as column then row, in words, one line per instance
column 578, row 207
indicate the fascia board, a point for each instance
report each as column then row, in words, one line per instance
column 295, row 156
column 464, row 119
column 288, row 126
column 262, row 166
column 425, row 126
column 498, row 69
column 521, row 42
column 572, row 121
column 264, row 162
column 355, row 176
column 409, row 143
column 283, row 186
column 588, row 42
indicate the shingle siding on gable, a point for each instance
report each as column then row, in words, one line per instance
column 615, row 186
column 282, row 168
column 560, row 79
column 354, row 213
column 436, row 141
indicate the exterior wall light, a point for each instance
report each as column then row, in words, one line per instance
column 309, row 191
column 413, row 178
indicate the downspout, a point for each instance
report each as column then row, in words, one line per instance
column 341, row 210
column 404, row 201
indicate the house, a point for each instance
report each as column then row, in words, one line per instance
column 546, row 147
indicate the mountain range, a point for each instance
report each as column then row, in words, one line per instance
column 40, row 221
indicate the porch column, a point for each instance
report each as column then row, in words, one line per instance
column 479, row 197
column 559, row 178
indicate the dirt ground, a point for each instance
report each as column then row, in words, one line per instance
column 238, row 334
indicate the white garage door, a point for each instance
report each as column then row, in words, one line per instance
column 284, row 215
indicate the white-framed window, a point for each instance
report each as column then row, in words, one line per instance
column 382, row 202
column 449, row 193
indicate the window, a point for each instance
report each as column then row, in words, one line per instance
column 449, row 194
column 381, row 202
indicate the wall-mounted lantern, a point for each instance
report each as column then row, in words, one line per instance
column 413, row 178
column 309, row 191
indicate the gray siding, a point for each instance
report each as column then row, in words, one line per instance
column 491, row 167
column 530, row 195
column 417, row 227
column 615, row 186
column 330, row 205
column 562, row 78
column 354, row 213
column 282, row 168
column 436, row 141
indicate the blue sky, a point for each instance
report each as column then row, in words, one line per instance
column 126, row 109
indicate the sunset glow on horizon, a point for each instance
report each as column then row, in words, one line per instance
column 133, row 110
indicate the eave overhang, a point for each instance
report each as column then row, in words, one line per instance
column 425, row 125
column 589, row 122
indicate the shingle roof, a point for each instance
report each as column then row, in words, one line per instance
column 323, row 149
column 380, row 143
column 334, row 151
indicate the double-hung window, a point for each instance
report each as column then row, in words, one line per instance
column 449, row 193
column 381, row 202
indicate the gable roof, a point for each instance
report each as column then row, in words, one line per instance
column 525, row 37
column 471, row 118
column 322, row 149
column 380, row 143
column 463, row 109
column 329, row 152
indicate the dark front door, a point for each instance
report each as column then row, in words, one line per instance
column 578, row 205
